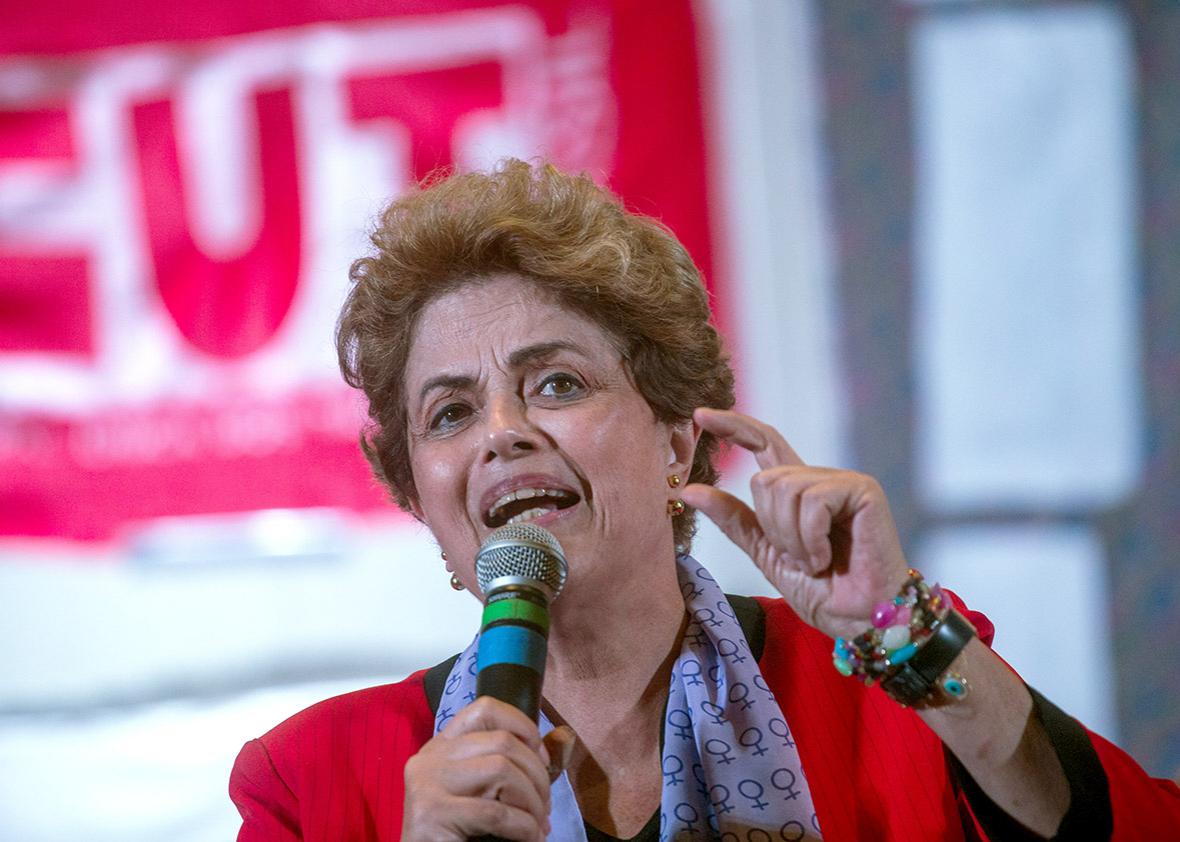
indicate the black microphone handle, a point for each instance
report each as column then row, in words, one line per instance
column 517, row 685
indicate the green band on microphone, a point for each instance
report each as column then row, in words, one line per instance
column 518, row 610
column 511, row 644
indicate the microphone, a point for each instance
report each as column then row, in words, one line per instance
column 521, row 569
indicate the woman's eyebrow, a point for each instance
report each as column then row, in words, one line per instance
column 540, row 351
column 445, row 381
column 518, row 358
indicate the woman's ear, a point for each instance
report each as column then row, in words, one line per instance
column 683, row 437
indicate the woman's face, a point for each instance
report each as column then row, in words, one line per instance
column 520, row 409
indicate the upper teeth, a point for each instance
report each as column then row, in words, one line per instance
column 524, row 494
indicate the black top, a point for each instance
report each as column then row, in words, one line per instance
column 1088, row 818
column 649, row 833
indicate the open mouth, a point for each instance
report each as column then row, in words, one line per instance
column 527, row 503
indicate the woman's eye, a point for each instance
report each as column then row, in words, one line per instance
column 449, row 417
column 560, row 386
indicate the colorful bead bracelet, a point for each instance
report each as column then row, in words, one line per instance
column 909, row 648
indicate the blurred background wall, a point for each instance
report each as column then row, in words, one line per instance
column 940, row 238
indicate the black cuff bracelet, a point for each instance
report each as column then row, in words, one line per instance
column 916, row 680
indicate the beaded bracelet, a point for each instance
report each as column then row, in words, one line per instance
column 900, row 639
column 918, row 681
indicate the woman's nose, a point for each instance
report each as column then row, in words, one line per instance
column 509, row 432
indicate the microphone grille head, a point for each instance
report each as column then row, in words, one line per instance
column 525, row 551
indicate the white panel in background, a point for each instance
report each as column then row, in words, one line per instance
column 1047, row 591
column 1026, row 341
column 143, row 773
column 98, row 630
column 761, row 83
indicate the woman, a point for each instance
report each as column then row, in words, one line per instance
column 530, row 351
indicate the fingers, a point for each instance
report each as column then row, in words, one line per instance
column 485, row 772
column 481, row 817
column 733, row 517
column 495, row 764
column 767, row 444
column 488, row 714
column 560, row 744
column 796, row 508
column 452, row 819
column 490, row 728
column 817, row 508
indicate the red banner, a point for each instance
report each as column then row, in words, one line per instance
column 182, row 190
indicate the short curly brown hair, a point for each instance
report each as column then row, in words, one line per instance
column 626, row 273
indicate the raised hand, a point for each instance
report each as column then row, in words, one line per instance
column 823, row 537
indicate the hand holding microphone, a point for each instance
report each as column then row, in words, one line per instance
column 488, row 771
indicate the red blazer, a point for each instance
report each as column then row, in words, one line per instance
column 876, row 772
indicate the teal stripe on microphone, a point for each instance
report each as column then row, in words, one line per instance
column 511, row 644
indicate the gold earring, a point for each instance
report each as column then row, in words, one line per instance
column 674, row 481
column 444, row 555
column 456, row 584
column 675, row 507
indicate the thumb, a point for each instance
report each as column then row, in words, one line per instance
column 732, row 516
column 560, row 744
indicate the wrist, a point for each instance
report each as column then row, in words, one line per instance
column 910, row 646
column 928, row 679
